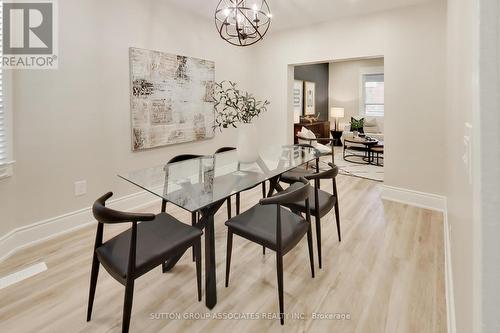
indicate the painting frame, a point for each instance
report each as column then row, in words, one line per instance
column 298, row 100
column 170, row 99
column 309, row 98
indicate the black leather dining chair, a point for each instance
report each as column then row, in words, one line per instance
column 150, row 241
column 296, row 174
column 292, row 176
column 331, row 141
column 238, row 198
column 194, row 215
column 275, row 227
column 321, row 202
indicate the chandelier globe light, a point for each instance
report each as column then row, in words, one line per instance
column 242, row 22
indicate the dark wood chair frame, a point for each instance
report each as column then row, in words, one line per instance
column 303, row 145
column 328, row 174
column 105, row 215
column 332, row 141
column 194, row 215
column 280, row 199
column 238, row 199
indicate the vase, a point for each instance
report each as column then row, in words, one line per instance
column 246, row 145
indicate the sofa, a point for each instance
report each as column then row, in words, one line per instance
column 373, row 127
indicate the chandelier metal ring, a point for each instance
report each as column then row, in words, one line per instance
column 242, row 22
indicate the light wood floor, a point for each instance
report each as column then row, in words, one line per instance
column 387, row 274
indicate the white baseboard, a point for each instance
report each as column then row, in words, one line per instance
column 35, row 233
column 437, row 203
column 414, row 198
column 448, row 273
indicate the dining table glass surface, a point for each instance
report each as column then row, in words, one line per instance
column 197, row 183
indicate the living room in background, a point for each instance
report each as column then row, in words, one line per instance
column 338, row 109
column 357, row 87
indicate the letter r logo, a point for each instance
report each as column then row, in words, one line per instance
column 28, row 28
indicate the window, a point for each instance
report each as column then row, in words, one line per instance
column 3, row 123
column 3, row 134
column 373, row 95
column 5, row 137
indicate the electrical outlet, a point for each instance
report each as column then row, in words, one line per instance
column 80, row 188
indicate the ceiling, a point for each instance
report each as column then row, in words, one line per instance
column 297, row 13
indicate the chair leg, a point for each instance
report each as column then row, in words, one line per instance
column 237, row 203
column 279, row 271
column 193, row 223
column 228, row 204
column 93, row 284
column 127, row 305
column 310, row 246
column 228, row 254
column 263, row 250
column 337, row 217
column 318, row 237
column 198, row 267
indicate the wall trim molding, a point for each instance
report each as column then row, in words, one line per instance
column 414, row 198
column 448, row 274
column 44, row 230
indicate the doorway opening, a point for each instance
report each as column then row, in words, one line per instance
column 341, row 103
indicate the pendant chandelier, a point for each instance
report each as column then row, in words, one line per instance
column 242, row 22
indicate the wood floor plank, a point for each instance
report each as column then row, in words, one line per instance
column 387, row 275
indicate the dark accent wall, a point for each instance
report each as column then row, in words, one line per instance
column 316, row 73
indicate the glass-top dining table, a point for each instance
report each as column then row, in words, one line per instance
column 201, row 185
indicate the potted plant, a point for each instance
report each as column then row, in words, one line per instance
column 234, row 108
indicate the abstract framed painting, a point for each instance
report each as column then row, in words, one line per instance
column 170, row 98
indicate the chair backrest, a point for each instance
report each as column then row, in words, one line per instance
column 296, row 192
column 317, row 152
column 305, row 145
column 175, row 159
column 183, row 157
column 327, row 174
column 224, row 149
column 313, row 141
column 107, row 215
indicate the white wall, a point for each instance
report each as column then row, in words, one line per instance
column 489, row 175
column 462, row 108
column 412, row 42
column 345, row 85
column 74, row 123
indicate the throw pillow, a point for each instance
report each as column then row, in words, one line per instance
column 370, row 125
column 307, row 134
column 357, row 124
column 370, row 122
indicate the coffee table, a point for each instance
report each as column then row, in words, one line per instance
column 352, row 145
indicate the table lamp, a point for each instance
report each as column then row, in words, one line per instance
column 337, row 113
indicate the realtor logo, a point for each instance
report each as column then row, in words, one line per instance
column 29, row 35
